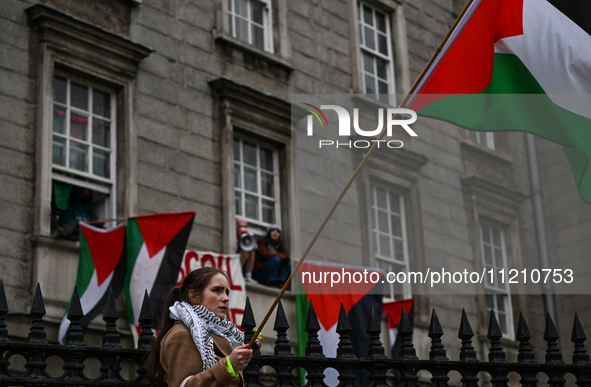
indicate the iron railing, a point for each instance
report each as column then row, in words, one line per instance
column 403, row 371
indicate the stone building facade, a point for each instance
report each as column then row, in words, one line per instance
column 178, row 93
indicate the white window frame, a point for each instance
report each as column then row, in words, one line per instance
column 389, row 292
column 498, row 288
column 486, row 139
column 267, row 23
column 375, row 52
column 258, row 226
column 65, row 174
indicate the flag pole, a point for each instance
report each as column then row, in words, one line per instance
column 350, row 182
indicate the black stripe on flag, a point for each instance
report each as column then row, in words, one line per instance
column 579, row 11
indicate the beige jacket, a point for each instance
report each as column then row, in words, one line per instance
column 181, row 360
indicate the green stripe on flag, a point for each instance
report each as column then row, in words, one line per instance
column 85, row 266
column 135, row 241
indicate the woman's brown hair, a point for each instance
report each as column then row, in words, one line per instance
column 196, row 280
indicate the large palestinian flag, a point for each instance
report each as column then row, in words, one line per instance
column 101, row 265
column 357, row 299
column 519, row 65
column 155, row 249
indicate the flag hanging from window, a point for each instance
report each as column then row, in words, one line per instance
column 518, row 65
column 155, row 249
column 357, row 301
column 394, row 312
column 101, row 265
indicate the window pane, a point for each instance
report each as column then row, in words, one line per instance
column 78, row 125
column 383, row 44
column 242, row 8
column 78, row 156
column 59, row 119
column 257, row 12
column 230, row 5
column 382, row 198
column 394, row 203
column 268, row 211
column 381, row 21
column 485, row 233
column 101, row 103
column 398, row 250
column 250, row 154
column 230, row 24
column 237, row 179
column 496, row 236
column 502, row 317
column 259, row 37
column 238, row 203
column 370, row 41
column 59, row 151
column 367, row 17
column 383, row 88
column 501, row 303
column 101, row 133
column 383, row 222
column 59, row 89
column 266, row 157
column 382, row 67
column 100, row 163
column 242, row 30
column 385, row 246
column 250, row 180
column 267, row 184
column 490, row 303
column 251, row 206
column 487, row 255
column 368, row 63
column 236, row 150
column 396, row 225
column 370, row 87
column 79, row 96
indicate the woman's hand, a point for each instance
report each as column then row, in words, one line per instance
column 240, row 357
column 259, row 341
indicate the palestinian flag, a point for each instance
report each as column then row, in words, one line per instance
column 394, row 312
column 101, row 265
column 155, row 249
column 518, row 65
column 357, row 299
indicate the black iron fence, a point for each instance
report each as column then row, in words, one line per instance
column 382, row 371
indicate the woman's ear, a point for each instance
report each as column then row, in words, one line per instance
column 194, row 297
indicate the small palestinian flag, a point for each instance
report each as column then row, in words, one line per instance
column 155, row 249
column 357, row 296
column 394, row 312
column 518, row 65
column 101, row 265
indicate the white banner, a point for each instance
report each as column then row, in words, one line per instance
column 230, row 263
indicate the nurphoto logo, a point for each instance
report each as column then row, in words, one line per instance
column 394, row 117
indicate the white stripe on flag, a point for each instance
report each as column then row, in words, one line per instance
column 329, row 340
column 143, row 277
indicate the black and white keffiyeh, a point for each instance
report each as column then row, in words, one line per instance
column 201, row 322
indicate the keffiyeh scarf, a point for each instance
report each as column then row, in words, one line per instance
column 201, row 322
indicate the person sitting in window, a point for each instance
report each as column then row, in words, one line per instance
column 79, row 210
column 245, row 246
column 272, row 266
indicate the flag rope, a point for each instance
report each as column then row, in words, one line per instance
column 348, row 185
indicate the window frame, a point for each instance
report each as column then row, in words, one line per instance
column 267, row 23
column 374, row 186
column 491, row 290
column 276, row 186
column 485, row 139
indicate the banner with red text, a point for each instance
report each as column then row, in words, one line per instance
column 230, row 263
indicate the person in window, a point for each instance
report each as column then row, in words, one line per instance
column 197, row 345
column 79, row 210
column 272, row 266
column 246, row 247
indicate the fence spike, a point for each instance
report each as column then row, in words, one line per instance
column 3, row 312
column 75, row 335
column 345, row 348
column 405, row 331
column 146, row 321
column 313, row 348
column 251, row 374
column 526, row 353
column 495, row 353
column 553, row 355
column 578, row 337
column 37, row 333
column 467, row 352
column 111, row 337
column 437, row 351
column 282, row 346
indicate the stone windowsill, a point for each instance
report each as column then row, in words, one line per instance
column 57, row 244
column 469, row 145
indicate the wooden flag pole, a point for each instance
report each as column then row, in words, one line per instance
column 348, row 185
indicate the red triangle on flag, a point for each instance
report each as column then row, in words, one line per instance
column 105, row 248
column 327, row 299
column 159, row 229
column 394, row 310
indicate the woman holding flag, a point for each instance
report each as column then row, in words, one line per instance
column 197, row 345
